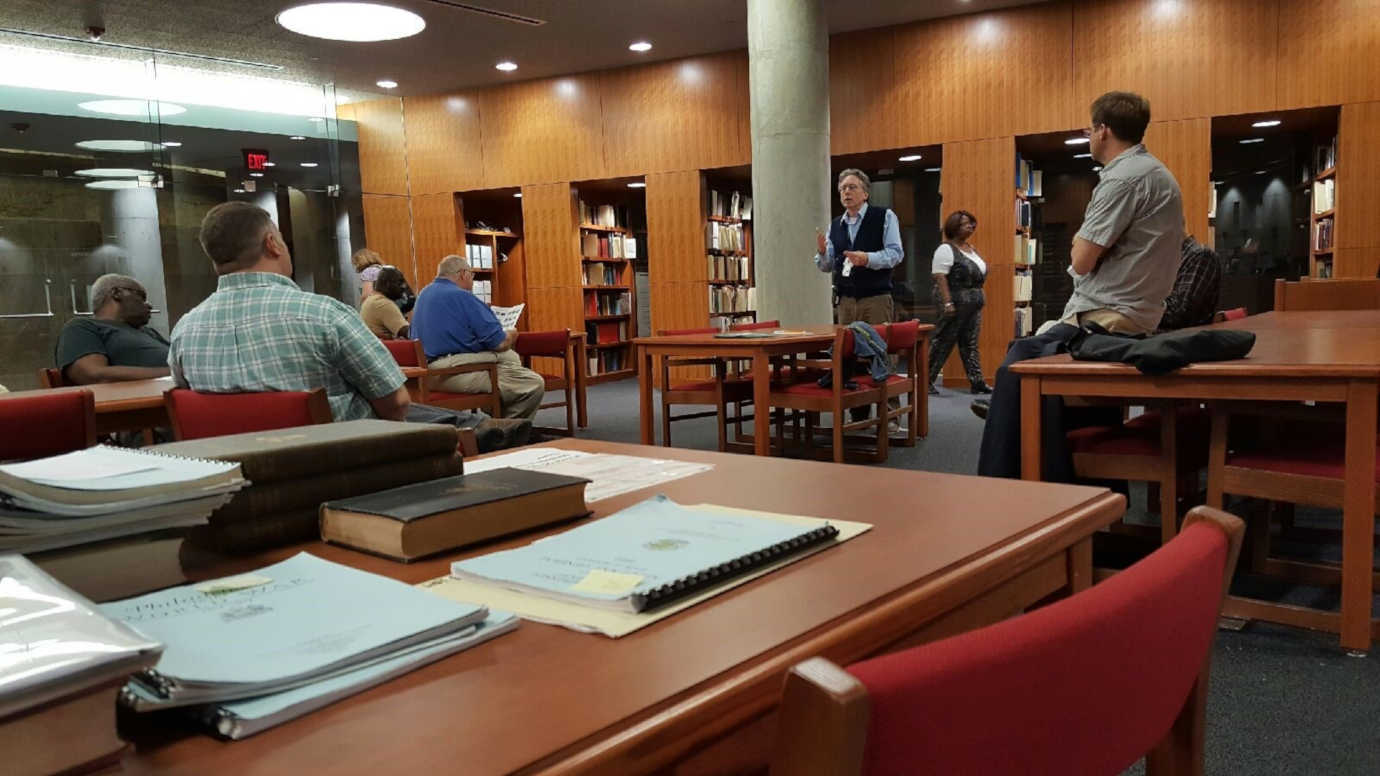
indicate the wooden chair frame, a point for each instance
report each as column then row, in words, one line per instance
column 490, row 402
column 318, row 410
column 727, row 390
column 825, row 711
column 565, row 382
column 838, row 402
column 1327, row 294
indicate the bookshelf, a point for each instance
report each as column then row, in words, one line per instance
column 732, row 281
column 1025, row 253
column 608, row 248
column 1323, row 206
column 491, row 231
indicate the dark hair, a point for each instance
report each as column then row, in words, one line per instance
column 233, row 232
column 1126, row 114
column 390, row 282
column 955, row 222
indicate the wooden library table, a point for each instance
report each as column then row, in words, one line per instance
column 1298, row 356
column 759, row 351
column 948, row 553
column 127, row 406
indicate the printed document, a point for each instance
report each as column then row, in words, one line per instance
column 508, row 316
column 609, row 475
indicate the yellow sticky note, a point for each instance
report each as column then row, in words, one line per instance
column 231, row 584
column 601, row 582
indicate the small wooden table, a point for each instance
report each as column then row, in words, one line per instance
column 1298, row 356
column 760, row 351
column 133, row 405
column 705, row 682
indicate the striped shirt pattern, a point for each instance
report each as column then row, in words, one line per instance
column 260, row 332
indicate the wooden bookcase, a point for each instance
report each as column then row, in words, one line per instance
column 729, row 265
column 606, row 212
column 490, row 221
column 1320, row 247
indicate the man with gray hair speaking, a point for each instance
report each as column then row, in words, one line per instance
column 456, row 328
column 115, row 343
column 860, row 249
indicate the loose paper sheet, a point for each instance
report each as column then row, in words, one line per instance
column 508, row 316
column 609, row 475
column 589, row 619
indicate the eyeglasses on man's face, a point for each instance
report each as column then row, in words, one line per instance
column 849, row 187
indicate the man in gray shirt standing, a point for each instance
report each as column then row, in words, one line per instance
column 1124, row 260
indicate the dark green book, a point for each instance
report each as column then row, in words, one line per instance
column 429, row 517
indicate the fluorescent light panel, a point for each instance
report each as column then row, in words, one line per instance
column 909, row 158
column 1267, row 123
column 118, row 146
column 1076, row 141
column 506, row 66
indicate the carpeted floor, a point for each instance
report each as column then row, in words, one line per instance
column 1283, row 701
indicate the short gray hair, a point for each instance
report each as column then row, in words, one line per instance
column 452, row 265
column 105, row 287
column 860, row 175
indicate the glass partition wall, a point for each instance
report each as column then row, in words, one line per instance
column 109, row 158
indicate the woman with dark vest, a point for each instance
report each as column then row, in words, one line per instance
column 959, row 273
column 861, row 248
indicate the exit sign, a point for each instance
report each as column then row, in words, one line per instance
column 255, row 159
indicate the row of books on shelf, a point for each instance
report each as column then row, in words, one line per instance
column 1324, row 195
column 606, row 332
column 484, row 291
column 601, row 361
column 1322, row 234
column 1025, row 319
column 730, row 205
column 608, row 304
column 600, row 274
column 736, row 269
column 603, row 215
column 1024, row 214
column 607, row 246
column 1325, row 156
column 1027, row 250
column 1024, row 287
column 732, row 299
column 724, row 237
column 479, row 256
column 1028, row 179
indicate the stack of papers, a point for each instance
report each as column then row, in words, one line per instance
column 251, row 651
column 609, row 475
column 105, row 492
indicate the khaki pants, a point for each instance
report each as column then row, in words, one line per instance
column 520, row 390
column 875, row 310
column 1110, row 320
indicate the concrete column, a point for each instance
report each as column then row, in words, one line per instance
column 788, row 75
column 129, row 219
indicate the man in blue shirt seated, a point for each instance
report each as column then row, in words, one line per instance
column 456, row 328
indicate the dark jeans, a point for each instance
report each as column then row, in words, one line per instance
column 1000, row 455
column 425, row 413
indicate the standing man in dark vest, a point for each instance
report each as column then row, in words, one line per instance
column 862, row 247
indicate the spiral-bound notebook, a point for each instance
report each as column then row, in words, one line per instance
column 104, row 479
column 644, row 557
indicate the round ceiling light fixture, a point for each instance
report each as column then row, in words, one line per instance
column 387, row 83
column 118, row 146
column 637, row 185
column 640, row 46
column 353, row 22
column 114, row 172
column 506, row 66
column 131, row 107
column 308, row 164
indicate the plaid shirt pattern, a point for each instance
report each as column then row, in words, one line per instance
column 260, row 332
column 1193, row 300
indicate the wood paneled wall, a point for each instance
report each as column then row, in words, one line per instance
column 977, row 178
column 388, row 223
column 969, row 78
column 1185, row 147
column 434, row 233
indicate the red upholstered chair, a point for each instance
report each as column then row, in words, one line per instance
column 807, row 396
column 409, row 353
column 40, row 424
column 1165, row 447
column 718, row 391
column 196, row 415
column 553, row 344
column 1087, row 685
column 904, row 343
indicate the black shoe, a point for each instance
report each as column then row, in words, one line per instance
column 502, row 433
column 980, row 407
column 934, row 391
column 982, row 388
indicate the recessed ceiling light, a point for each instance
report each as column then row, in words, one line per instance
column 256, row 175
column 114, row 172
column 387, row 84
column 355, row 22
column 1082, row 156
column 518, row 195
column 1076, row 141
column 1261, row 172
column 931, row 169
column 172, row 144
column 1252, row 140
column 270, row 164
column 239, row 191
column 640, row 46
column 297, row 137
column 113, row 184
column 308, row 164
column 909, row 158
column 637, row 185
column 131, row 107
column 1267, row 123
column 506, row 66
column 118, row 146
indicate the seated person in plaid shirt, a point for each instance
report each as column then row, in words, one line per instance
column 1197, row 286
